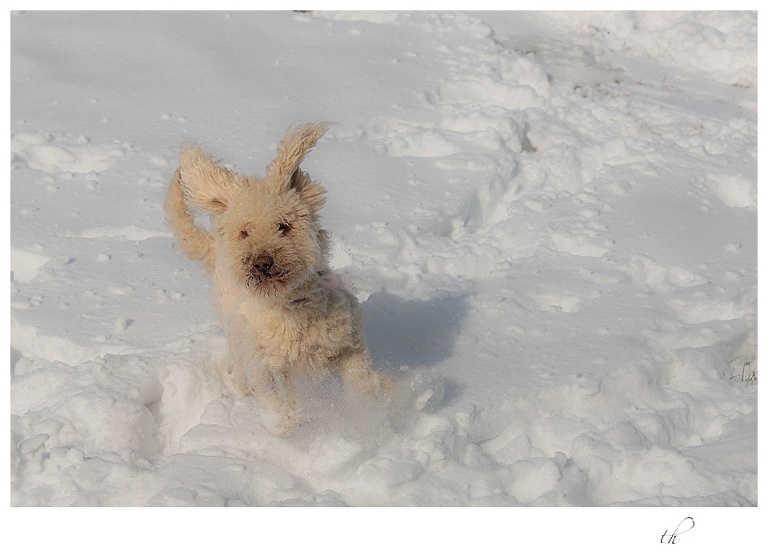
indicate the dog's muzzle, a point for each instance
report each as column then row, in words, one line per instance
column 261, row 272
column 262, row 265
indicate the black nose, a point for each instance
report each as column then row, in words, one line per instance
column 263, row 264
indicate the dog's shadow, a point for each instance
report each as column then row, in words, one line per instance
column 413, row 334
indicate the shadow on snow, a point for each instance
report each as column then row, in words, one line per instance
column 416, row 334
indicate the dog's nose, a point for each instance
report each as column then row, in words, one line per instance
column 263, row 264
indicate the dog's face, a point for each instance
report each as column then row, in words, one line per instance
column 268, row 233
column 269, row 242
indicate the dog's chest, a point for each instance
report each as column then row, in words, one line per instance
column 308, row 334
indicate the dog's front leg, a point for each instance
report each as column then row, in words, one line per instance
column 279, row 409
column 357, row 373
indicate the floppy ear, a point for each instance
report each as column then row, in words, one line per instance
column 206, row 184
column 284, row 172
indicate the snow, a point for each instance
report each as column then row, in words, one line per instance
column 550, row 220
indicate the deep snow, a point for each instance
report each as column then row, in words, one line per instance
column 550, row 219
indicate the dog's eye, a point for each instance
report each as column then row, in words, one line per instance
column 243, row 234
column 283, row 228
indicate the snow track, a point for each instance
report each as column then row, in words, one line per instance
column 550, row 221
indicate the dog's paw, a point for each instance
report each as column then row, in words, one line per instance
column 370, row 384
column 384, row 388
column 280, row 424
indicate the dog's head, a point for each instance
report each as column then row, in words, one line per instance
column 267, row 229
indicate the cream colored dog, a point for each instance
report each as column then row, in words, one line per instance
column 283, row 309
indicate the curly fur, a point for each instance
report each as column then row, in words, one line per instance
column 281, row 306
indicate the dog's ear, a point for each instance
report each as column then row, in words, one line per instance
column 206, row 184
column 310, row 192
column 284, row 172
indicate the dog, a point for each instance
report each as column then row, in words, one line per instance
column 284, row 311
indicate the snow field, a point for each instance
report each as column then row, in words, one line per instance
column 550, row 221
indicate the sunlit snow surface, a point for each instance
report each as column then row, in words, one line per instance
column 550, row 221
